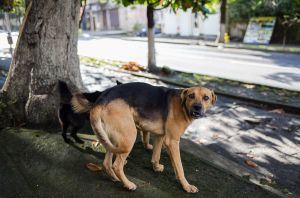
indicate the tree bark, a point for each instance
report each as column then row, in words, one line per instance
column 284, row 36
column 222, row 21
column 46, row 51
column 151, row 41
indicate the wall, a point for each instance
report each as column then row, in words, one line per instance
column 184, row 23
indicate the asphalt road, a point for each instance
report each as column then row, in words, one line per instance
column 267, row 68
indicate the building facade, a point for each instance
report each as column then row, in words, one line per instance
column 102, row 15
column 105, row 15
column 190, row 24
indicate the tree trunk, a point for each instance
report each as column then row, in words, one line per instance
column 285, row 30
column 222, row 21
column 151, row 43
column 82, row 14
column 27, row 3
column 46, row 51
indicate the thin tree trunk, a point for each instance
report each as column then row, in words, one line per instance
column 82, row 14
column 151, row 41
column 27, row 2
column 285, row 30
column 46, row 51
column 222, row 21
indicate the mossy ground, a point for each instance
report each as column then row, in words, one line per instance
column 47, row 167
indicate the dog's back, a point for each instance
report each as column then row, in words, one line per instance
column 148, row 100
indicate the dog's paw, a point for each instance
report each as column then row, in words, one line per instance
column 67, row 140
column 77, row 139
column 149, row 147
column 158, row 167
column 130, row 186
column 191, row 189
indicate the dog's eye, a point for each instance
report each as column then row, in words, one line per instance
column 205, row 98
column 192, row 96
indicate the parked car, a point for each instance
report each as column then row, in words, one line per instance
column 143, row 32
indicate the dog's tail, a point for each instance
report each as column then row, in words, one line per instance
column 80, row 103
column 64, row 92
column 102, row 135
column 83, row 102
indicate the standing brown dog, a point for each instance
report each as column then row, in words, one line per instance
column 162, row 111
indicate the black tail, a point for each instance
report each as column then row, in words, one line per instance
column 92, row 97
column 64, row 92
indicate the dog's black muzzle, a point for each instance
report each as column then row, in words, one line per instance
column 196, row 111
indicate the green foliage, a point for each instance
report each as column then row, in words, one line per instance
column 196, row 5
column 10, row 5
column 240, row 10
column 137, row 27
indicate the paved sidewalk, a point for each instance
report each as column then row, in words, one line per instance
column 235, row 130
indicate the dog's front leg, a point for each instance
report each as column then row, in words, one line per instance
column 174, row 152
column 158, row 142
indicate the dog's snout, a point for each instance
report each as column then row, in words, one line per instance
column 197, row 107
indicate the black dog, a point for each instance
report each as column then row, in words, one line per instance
column 67, row 117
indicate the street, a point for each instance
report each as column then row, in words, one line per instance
column 274, row 69
column 267, row 68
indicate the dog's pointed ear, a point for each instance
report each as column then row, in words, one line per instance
column 214, row 98
column 183, row 95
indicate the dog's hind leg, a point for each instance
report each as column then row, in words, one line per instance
column 118, row 167
column 64, row 127
column 107, row 164
column 146, row 140
column 74, row 135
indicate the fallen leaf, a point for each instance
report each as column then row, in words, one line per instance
column 201, row 141
column 93, row 167
column 251, row 163
column 133, row 66
column 215, row 136
column 249, row 86
column 95, row 143
column 278, row 110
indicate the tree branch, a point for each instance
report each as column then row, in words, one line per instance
column 152, row 4
column 165, row 6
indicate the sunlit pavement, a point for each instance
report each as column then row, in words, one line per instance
column 267, row 68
